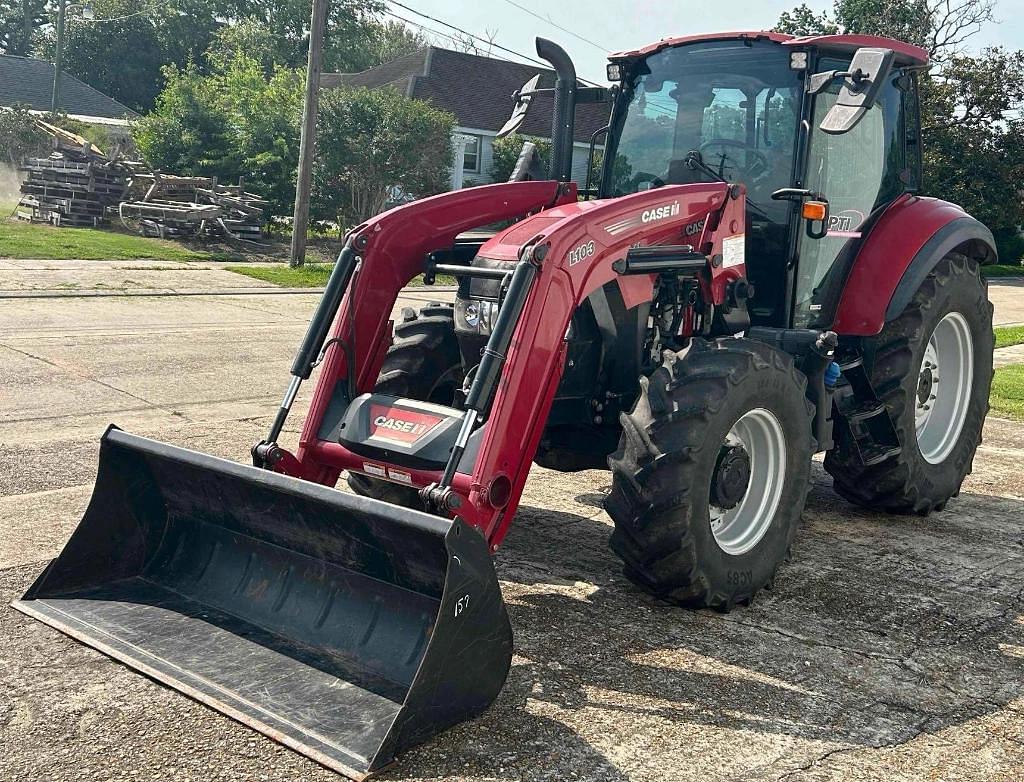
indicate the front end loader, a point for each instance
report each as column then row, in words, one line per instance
column 753, row 280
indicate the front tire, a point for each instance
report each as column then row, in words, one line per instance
column 711, row 474
column 932, row 367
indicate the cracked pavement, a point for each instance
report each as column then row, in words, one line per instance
column 891, row 648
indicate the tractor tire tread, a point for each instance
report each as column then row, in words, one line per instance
column 898, row 485
column 662, row 438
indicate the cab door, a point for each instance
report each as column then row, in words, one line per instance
column 859, row 172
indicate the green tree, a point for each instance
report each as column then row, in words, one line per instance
column 390, row 40
column 125, row 48
column 20, row 137
column 506, row 152
column 374, row 146
column 348, row 40
column 971, row 107
column 122, row 59
column 974, row 140
column 19, row 21
column 939, row 26
column 235, row 122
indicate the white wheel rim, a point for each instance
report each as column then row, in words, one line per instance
column 943, row 389
column 738, row 529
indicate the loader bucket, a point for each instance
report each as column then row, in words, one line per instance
column 341, row 626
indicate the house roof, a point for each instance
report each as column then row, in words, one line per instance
column 476, row 89
column 29, row 82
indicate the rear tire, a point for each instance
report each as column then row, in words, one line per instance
column 668, row 474
column 937, row 352
column 422, row 363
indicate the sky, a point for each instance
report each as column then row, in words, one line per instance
column 613, row 26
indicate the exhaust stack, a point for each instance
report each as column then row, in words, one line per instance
column 564, row 114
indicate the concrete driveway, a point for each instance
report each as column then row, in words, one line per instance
column 1008, row 298
column 891, row 648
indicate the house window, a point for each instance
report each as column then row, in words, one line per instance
column 471, row 158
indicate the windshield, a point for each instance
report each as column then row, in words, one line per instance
column 736, row 104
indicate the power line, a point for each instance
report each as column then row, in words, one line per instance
column 548, row 20
column 449, row 36
column 466, row 32
column 544, row 65
column 430, row 30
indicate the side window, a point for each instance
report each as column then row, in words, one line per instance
column 858, row 171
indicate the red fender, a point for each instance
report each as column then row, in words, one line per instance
column 911, row 236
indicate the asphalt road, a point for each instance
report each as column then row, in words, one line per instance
column 891, row 648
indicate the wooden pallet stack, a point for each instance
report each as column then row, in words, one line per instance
column 72, row 187
column 168, row 206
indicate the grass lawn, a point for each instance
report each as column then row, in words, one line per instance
column 32, row 240
column 310, row 275
column 1003, row 270
column 1009, row 335
column 1007, row 398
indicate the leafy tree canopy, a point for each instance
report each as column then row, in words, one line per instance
column 20, row 137
column 235, row 122
column 376, row 146
column 124, row 49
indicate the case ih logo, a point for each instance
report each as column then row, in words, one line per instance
column 647, row 216
column 660, row 213
column 694, row 228
column 400, row 426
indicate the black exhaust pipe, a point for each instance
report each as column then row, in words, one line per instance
column 564, row 115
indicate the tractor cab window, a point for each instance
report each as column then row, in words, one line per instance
column 858, row 172
column 736, row 104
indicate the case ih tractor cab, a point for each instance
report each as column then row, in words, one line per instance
column 752, row 281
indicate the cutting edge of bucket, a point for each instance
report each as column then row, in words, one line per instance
column 183, row 682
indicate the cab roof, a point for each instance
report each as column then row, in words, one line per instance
column 906, row 54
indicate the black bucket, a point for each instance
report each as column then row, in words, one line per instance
column 344, row 627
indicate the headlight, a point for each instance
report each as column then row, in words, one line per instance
column 476, row 315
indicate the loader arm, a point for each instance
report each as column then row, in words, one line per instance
column 487, row 491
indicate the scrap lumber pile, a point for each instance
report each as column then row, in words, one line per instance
column 73, row 186
column 168, row 206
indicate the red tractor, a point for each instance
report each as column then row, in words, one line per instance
column 753, row 280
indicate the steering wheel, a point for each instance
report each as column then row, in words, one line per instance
column 755, row 161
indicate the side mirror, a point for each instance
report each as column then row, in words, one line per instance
column 862, row 83
column 523, row 98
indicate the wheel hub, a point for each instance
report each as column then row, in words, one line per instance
column 924, row 385
column 731, row 478
column 747, row 482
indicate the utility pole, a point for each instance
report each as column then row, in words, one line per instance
column 62, row 10
column 27, row 23
column 307, row 141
